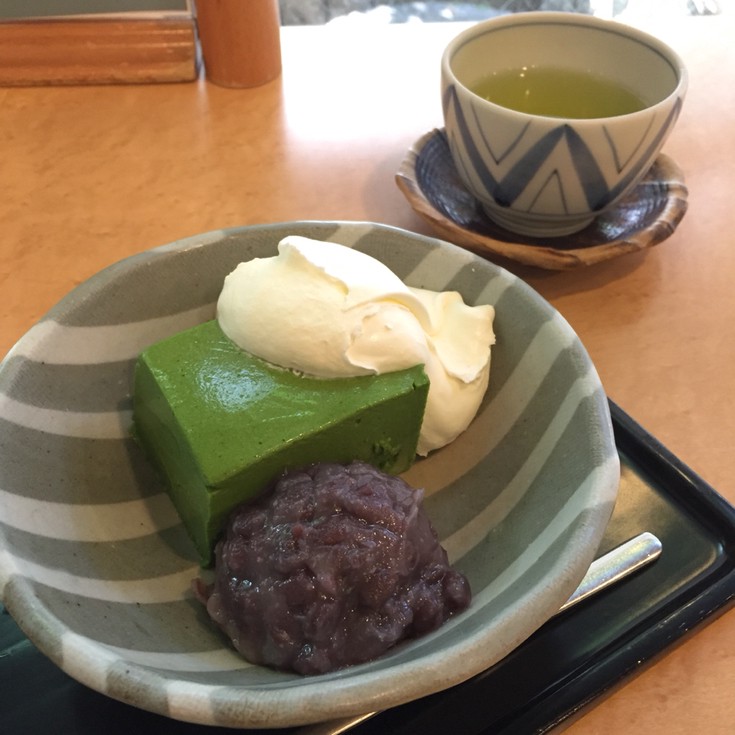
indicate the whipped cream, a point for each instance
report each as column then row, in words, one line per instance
column 329, row 311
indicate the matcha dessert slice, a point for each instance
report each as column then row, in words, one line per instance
column 221, row 423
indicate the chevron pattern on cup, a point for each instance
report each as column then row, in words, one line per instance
column 517, row 174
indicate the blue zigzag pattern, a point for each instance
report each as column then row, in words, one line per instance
column 506, row 190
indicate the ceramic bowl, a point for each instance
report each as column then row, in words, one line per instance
column 551, row 176
column 95, row 566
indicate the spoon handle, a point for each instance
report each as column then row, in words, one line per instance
column 604, row 571
column 618, row 563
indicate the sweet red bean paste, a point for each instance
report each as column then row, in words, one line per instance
column 332, row 567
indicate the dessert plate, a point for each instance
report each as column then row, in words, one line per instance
column 645, row 217
column 95, row 566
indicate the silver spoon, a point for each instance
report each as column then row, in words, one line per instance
column 605, row 571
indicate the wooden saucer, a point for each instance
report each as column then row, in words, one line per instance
column 645, row 217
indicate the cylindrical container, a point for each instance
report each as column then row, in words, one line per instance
column 544, row 171
column 240, row 41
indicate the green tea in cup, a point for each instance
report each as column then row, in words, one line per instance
column 579, row 109
column 556, row 92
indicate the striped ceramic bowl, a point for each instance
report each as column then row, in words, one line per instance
column 96, row 568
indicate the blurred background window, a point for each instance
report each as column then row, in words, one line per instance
column 316, row 12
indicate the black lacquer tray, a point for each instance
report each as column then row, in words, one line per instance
column 556, row 674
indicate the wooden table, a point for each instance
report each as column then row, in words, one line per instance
column 89, row 175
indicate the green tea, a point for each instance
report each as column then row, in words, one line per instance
column 558, row 93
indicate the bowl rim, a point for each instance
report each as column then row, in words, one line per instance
column 556, row 17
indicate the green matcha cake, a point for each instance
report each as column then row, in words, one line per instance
column 221, row 423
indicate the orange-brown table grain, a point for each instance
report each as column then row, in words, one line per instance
column 89, row 175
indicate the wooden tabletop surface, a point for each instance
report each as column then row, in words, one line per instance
column 89, row 175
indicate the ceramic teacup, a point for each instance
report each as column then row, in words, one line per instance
column 550, row 170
